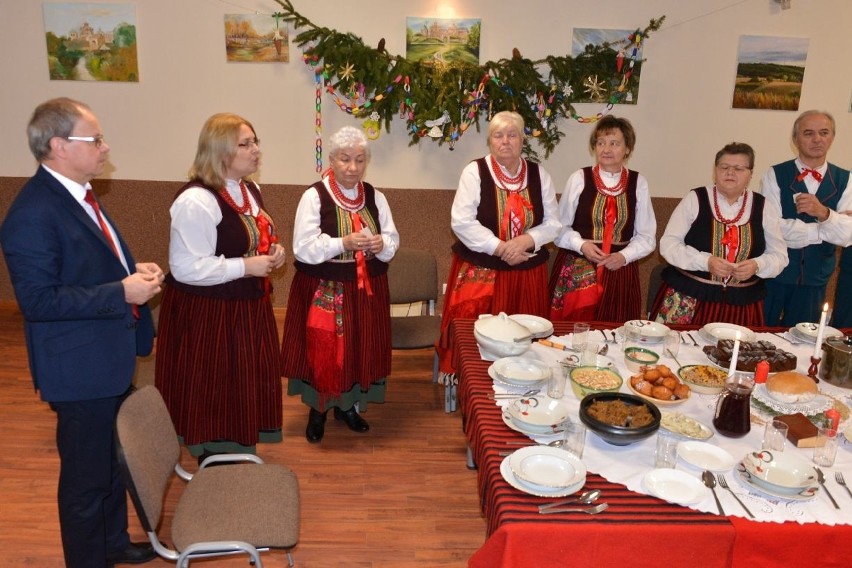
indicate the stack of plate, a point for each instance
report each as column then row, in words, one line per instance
column 544, row 471
column 713, row 332
column 808, row 332
column 783, row 474
column 538, row 415
column 519, row 372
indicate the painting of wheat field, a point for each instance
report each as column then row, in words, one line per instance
column 770, row 72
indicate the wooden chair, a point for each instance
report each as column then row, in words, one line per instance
column 238, row 508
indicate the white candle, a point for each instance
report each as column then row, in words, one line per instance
column 734, row 354
column 820, row 332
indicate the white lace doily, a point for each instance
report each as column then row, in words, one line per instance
column 819, row 404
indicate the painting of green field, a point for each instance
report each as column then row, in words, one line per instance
column 443, row 40
column 770, row 72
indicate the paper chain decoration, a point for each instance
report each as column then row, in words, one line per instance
column 443, row 100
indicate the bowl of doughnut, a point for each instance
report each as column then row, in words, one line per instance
column 659, row 384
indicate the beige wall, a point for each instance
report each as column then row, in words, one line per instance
column 682, row 117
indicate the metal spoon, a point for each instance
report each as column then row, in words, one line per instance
column 669, row 351
column 585, row 498
column 710, row 482
column 600, row 507
column 553, row 444
column 689, row 335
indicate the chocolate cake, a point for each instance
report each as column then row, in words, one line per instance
column 751, row 353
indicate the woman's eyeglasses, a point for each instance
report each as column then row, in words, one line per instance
column 250, row 143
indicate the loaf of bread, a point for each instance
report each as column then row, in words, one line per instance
column 751, row 353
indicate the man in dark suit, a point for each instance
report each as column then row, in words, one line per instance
column 83, row 301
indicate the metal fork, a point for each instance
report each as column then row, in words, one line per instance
column 600, row 507
column 724, row 484
column 838, row 477
column 689, row 335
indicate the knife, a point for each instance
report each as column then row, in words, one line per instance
column 821, row 480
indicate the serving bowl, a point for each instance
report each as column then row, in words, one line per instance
column 781, row 472
column 501, row 336
column 539, row 413
column 587, row 379
column 619, row 435
column 703, row 379
column 637, row 357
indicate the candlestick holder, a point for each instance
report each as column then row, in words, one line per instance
column 812, row 370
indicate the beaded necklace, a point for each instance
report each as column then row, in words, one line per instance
column 719, row 213
column 503, row 181
column 609, row 191
column 245, row 209
column 348, row 204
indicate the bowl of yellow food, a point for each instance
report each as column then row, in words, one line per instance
column 587, row 380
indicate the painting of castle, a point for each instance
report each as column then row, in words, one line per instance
column 91, row 42
column 443, row 40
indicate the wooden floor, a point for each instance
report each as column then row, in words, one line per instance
column 399, row 496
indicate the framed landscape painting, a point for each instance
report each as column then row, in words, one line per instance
column 256, row 38
column 91, row 42
column 770, row 71
column 443, row 40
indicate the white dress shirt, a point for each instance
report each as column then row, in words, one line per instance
column 644, row 238
column 478, row 238
column 837, row 229
column 679, row 254
column 312, row 246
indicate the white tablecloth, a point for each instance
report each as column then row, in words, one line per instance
column 629, row 464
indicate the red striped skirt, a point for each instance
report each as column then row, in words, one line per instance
column 621, row 299
column 513, row 292
column 672, row 305
column 217, row 367
column 366, row 335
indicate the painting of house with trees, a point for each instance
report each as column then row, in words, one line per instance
column 256, row 38
column 91, row 42
column 443, row 40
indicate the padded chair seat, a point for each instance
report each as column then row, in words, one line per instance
column 414, row 332
column 264, row 523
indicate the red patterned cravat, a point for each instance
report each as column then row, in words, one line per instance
column 806, row 171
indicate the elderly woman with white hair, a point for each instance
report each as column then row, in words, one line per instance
column 336, row 349
column 503, row 214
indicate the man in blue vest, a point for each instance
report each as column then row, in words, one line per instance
column 808, row 192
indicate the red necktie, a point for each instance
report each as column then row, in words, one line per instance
column 806, row 171
column 90, row 199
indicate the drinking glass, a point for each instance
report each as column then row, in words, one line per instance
column 665, row 454
column 556, row 382
column 826, row 447
column 672, row 344
column 574, row 438
column 775, row 435
column 580, row 336
column 590, row 352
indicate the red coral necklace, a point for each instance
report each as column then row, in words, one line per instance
column 719, row 213
column 609, row 191
column 348, row 204
column 245, row 209
column 505, row 180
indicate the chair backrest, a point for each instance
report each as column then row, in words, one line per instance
column 148, row 450
column 413, row 277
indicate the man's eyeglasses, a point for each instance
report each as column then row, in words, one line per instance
column 98, row 140
column 725, row 168
column 251, row 142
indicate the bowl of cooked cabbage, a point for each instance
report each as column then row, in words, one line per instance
column 619, row 419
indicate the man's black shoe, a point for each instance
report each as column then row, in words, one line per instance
column 135, row 553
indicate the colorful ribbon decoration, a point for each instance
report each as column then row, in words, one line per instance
column 360, row 261
column 806, row 171
column 513, row 216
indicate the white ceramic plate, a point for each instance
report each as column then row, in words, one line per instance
column 780, row 472
column 539, row 414
column 649, row 331
column 675, row 486
column 713, row 332
column 600, row 361
column 818, row 404
column 685, row 426
column 539, row 327
column 546, row 467
column 523, row 429
column 521, row 371
column 705, row 456
column 808, row 331
column 510, row 478
column 805, row 495
column 525, row 387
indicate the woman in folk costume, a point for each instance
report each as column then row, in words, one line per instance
column 503, row 213
column 217, row 346
column 336, row 346
column 721, row 242
column 608, row 225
